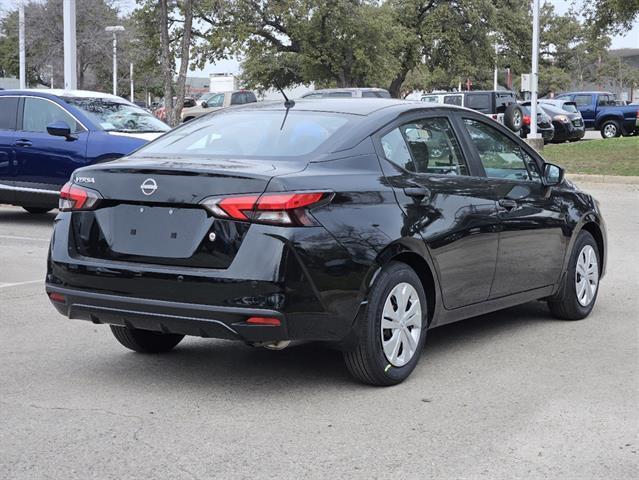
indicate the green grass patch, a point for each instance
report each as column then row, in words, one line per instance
column 614, row 156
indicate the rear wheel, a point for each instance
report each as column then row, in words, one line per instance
column 145, row 341
column 392, row 328
column 576, row 298
column 610, row 129
column 36, row 210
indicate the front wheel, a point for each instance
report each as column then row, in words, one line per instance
column 145, row 341
column 391, row 330
column 610, row 129
column 578, row 293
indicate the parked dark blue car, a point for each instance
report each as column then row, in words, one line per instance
column 46, row 134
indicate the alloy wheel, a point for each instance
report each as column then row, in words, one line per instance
column 610, row 130
column 401, row 325
column 586, row 276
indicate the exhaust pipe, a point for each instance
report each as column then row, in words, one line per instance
column 277, row 345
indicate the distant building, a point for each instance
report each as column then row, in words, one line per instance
column 196, row 86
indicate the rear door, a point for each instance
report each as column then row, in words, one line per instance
column 8, row 118
column 445, row 202
column 531, row 217
column 45, row 162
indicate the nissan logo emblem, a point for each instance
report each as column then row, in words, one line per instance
column 149, row 186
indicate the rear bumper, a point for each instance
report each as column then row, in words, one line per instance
column 169, row 317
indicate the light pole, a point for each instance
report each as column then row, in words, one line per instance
column 115, row 29
column 21, row 47
column 132, row 86
column 70, row 72
column 535, row 71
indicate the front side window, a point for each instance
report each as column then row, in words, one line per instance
column 216, row 100
column 425, row 146
column 38, row 113
column 500, row 156
column 237, row 133
column 117, row 116
column 453, row 100
column 583, row 100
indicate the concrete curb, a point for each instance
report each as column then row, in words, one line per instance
column 627, row 180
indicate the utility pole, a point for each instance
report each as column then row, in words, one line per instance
column 70, row 71
column 115, row 29
column 131, row 76
column 21, row 47
column 535, row 71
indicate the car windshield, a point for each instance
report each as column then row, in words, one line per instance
column 569, row 107
column 263, row 134
column 118, row 116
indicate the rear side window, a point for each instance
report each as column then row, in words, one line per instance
column 267, row 134
column 375, row 94
column 250, row 97
column 238, row 98
column 38, row 113
column 583, row 100
column 8, row 113
column 605, row 101
column 479, row 102
column 500, row 156
column 425, row 146
column 340, row 94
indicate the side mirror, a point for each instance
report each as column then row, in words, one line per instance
column 205, row 105
column 59, row 129
column 553, row 175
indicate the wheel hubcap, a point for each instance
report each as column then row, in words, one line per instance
column 401, row 326
column 586, row 276
column 517, row 119
column 610, row 130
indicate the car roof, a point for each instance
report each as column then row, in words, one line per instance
column 590, row 92
column 349, row 89
column 353, row 106
column 58, row 92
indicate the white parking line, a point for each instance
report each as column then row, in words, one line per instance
column 19, row 284
column 17, row 237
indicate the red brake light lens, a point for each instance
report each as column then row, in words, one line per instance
column 73, row 197
column 272, row 208
column 526, row 119
column 273, row 322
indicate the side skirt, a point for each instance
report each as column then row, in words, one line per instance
column 444, row 317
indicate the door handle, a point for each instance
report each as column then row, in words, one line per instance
column 507, row 203
column 23, row 143
column 419, row 192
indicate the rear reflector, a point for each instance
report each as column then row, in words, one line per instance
column 274, row 322
column 57, row 297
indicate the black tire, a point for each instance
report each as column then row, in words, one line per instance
column 514, row 117
column 37, row 210
column 145, row 341
column 565, row 305
column 367, row 361
column 610, row 129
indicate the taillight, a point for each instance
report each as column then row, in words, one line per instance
column 290, row 209
column 73, row 197
column 526, row 119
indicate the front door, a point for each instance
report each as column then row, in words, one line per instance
column 446, row 204
column 45, row 162
column 531, row 241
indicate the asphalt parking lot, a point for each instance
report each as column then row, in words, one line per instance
column 515, row 394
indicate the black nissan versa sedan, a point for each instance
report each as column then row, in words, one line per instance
column 359, row 223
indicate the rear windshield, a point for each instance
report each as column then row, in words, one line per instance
column 570, row 107
column 250, row 133
column 118, row 116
